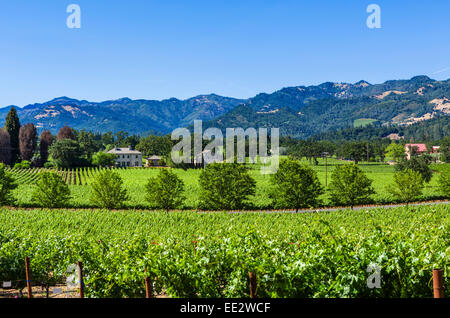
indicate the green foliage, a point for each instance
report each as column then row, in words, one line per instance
column 66, row 153
column 155, row 145
column 356, row 151
column 24, row 164
column 350, row 186
column 50, row 191
column 165, row 190
column 295, row 186
column 420, row 164
column 432, row 129
column 445, row 149
column 12, row 126
column 396, row 152
column 225, row 186
column 104, row 159
column 311, row 255
column 444, row 183
column 408, row 185
column 108, row 191
column 7, row 184
column 49, row 164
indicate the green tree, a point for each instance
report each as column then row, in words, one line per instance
column 12, row 126
column 165, row 190
column 355, row 151
column 396, row 152
column 444, row 183
column 155, row 145
column 295, row 186
column 108, row 191
column 225, row 186
column 7, row 184
column 88, row 143
column 420, row 164
column 350, row 186
column 66, row 153
column 408, row 185
column 445, row 149
column 104, row 159
column 5, row 147
column 50, row 191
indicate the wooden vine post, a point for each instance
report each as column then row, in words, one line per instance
column 80, row 279
column 253, row 285
column 438, row 283
column 28, row 275
column 148, row 286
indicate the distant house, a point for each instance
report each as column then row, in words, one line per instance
column 153, row 161
column 436, row 149
column 418, row 148
column 127, row 157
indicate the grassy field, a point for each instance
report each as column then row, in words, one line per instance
column 362, row 122
column 135, row 180
column 293, row 255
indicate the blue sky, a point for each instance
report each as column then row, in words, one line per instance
column 161, row 49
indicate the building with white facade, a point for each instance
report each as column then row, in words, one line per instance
column 127, row 157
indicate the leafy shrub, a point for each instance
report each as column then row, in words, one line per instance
column 350, row 186
column 108, row 191
column 66, row 153
column 49, row 164
column 165, row 190
column 444, row 183
column 104, row 159
column 50, row 191
column 420, row 164
column 7, row 184
column 225, row 186
column 25, row 164
column 407, row 186
column 295, row 186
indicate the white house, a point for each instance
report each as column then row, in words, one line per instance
column 127, row 157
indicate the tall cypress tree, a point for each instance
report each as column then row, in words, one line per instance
column 12, row 126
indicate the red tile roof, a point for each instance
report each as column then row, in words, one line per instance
column 420, row 147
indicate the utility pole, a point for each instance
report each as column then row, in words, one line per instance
column 367, row 152
column 325, row 155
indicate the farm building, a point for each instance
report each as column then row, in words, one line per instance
column 418, row 148
column 127, row 157
column 153, row 161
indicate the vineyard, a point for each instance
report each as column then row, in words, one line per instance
column 79, row 180
column 189, row 254
column 75, row 176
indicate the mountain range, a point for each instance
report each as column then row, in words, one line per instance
column 300, row 111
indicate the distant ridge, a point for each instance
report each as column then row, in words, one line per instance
column 300, row 111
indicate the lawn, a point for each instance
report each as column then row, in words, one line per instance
column 135, row 180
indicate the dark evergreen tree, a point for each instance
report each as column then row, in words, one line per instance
column 12, row 125
column 5, row 147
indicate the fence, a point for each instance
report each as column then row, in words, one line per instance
column 438, row 282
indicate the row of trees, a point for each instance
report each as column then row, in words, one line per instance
column 19, row 143
column 69, row 148
column 230, row 187
column 373, row 150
